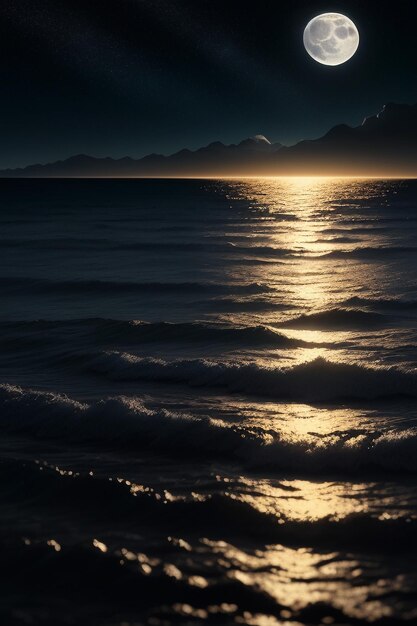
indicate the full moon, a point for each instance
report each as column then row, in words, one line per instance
column 331, row 38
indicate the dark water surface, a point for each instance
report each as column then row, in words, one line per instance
column 208, row 402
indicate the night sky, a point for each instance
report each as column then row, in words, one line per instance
column 130, row 77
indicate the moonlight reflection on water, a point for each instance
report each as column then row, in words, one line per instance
column 208, row 401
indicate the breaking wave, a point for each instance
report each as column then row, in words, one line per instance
column 108, row 332
column 314, row 381
column 339, row 318
column 127, row 423
column 389, row 304
column 194, row 332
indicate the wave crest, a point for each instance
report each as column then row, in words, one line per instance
column 344, row 319
column 318, row 380
column 127, row 423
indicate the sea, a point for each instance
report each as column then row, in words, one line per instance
column 208, row 402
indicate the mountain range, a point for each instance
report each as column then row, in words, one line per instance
column 383, row 145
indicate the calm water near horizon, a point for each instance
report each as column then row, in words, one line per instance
column 208, row 396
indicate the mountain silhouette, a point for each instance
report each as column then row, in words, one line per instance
column 384, row 144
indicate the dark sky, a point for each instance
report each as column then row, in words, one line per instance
column 129, row 77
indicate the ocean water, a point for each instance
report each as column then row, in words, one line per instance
column 208, row 402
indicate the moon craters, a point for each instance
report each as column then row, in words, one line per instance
column 331, row 38
column 341, row 32
column 320, row 30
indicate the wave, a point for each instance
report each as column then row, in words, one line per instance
column 59, row 243
column 353, row 229
column 225, row 247
column 110, row 576
column 361, row 253
column 337, row 239
column 368, row 252
column 76, row 243
column 355, row 253
column 108, row 332
column 258, row 250
column 121, row 499
column 128, row 424
column 314, row 381
column 193, row 332
column 242, row 305
column 343, row 319
column 129, row 569
column 390, row 304
column 45, row 286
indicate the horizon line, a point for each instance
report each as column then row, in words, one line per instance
column 220, row 177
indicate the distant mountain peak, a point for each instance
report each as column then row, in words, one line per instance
column 391, row 112
column 338, row 132
column 261, row 139
column 258, row 142
column 394, row 109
